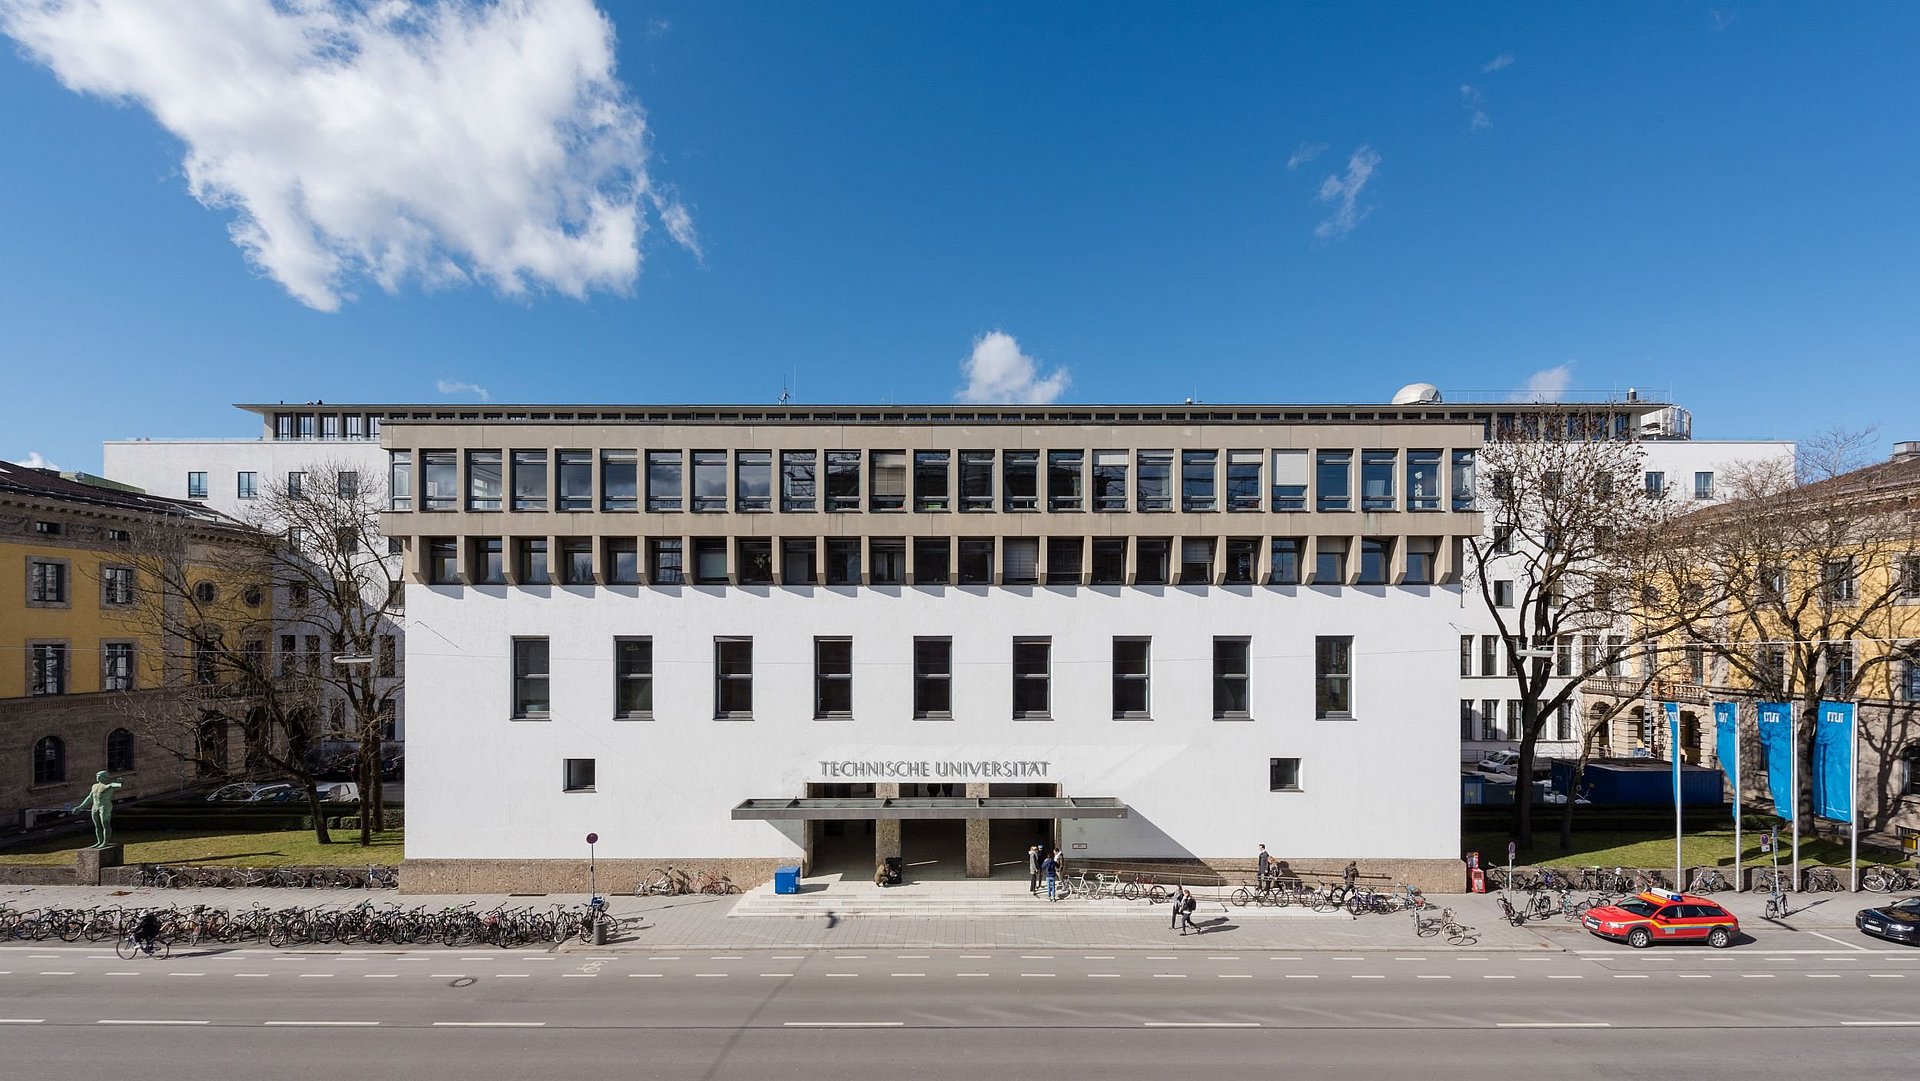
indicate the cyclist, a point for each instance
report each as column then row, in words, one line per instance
column 145, row 930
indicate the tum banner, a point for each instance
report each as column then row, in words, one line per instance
column 1833, row 762
column 1726, row 745
column 1776, row 739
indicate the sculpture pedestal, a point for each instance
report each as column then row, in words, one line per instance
column 88, row 863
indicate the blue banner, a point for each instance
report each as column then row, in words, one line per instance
column 1673, row 744
column 1776, row 740
column 1726, row 745
column 1833, row 762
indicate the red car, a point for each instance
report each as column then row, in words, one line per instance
column 1662, row 916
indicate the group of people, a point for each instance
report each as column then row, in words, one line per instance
column 1041, row 866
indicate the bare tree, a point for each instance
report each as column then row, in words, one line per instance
column 1577, row 542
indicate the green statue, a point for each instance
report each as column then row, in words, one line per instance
column 100, row 798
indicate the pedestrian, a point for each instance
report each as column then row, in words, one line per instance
column 1179, row 905
column 1351, row 875
column 1060, row 862
column 1187, row 904
column 1051, row 869
column 1265, row 864
column 1033, row 868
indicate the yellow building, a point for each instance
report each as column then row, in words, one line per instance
column 79, row 658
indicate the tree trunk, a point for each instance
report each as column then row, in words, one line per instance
column 1523, row 790
column 318, row 812
column 369, row 769
column 1566, row 809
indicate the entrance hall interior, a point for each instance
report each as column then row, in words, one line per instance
column 931, row 849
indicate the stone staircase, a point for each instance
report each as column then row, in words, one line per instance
column 983, row 900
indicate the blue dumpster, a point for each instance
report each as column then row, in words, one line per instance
column 786, row 880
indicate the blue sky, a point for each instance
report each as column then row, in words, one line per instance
column 1251, row 203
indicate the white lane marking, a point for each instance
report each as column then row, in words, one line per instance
column 509, row 975
column 786, row 957
column 1553, row 1024
column 1096, row 957
column 1159, row 957
column 1886, row 975
column 1432, row 976
column 843, row 1024
column 1212, row 957
column 119, row 974
column 1823, row 975
column 23, row 1020
column 644, row 975
column 489, row 1024
column 849, row 956
column 1879, row 1024
column 911, row 956
column 1357, row 976
column 1566, row 977
column 838, row 974
column 908, row 974
column 43, row 957
column 665, row 958
column 1283, row 959
column 1629, row 976
column 1200, row 1024
column 976, row 957
column 447, row 976
column 1038, row 975
column 776, row 975
column 1838, row 942
column 56, row 974
column 1302, row 976
column 709, row 975
column 724, row 957
column 1346, row 958
column 1103, row 975
column 1169, row 975
column 251, row 975
column 1695, row 976
column 1043, row 957
column 579, row 975
column 122, row 1022
column 1409, row 958
column 379, row 975
column 972, row 974
column 186, row 974
column 1756, row 975
column 1498, row 977
column 319, row 1024
column 1234, row 975
column 316, row 975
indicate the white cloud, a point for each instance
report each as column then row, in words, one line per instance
column 998, row 372
column 1342, row 192
column 1303, row 154
column 440, row 143
column 452, row 386
column 33, row 460
column 1548, row 384
column 1722, row 18
column 1475, row 101
column 1504, row 60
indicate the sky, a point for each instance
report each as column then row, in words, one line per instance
column 717, row 202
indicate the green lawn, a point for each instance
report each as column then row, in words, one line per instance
column 1645, row 848
column 288, row 848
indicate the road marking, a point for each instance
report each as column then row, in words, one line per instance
column 1038, row 975
column 579, row 975
column 316, row 975
column 23, row 1020
column 1417, row 958
column 776, row 975
column 489, row 1024
column 1216, row 958
column 786, row 957
column 1283, row 959
column 1096, row 957
column 1756, row 975
column 843, row 1024
column 1695, row 976
column 509, row 975
column 379, row 975
column 1346, row 958
column 119, row 974
column 849, row 956
column 1629, row 976
column 840, row 974
column 643, row 975
column 1302, row 976
column 186, row 974
column 909, row 974
column 1044, row 957
column 251, row 975
column 1234, row 975
column 1553, row 1024
column 1200, row 1024
column 447, row 976
column 1566, row 977
column 972, row 974
column 724, row 957
column 1881, row 1024
column 1357, row 976
column 1886, row 975
column 1823, row 975
column 709, row 975
column 976, row 957
column 1838, row 942
column 118, row 1022
column 1432, row 976
column 1160, row 957
column 911, row 956
column 1169, row 975
column 319, row 1024
column 1491, row 976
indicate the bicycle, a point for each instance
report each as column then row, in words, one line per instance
column 1708, row 880
column 128, row 948
column 1888, row 880
column 1823, row 880
column 1772, row 881
column 1777, row 905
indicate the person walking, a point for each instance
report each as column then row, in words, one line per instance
column 1350, row 876
column 1264, row 863
column 1033, row 868
column 1187, row 904
column 1051, row 869
column 1179, row 906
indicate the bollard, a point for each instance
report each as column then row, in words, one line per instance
column 601, row 930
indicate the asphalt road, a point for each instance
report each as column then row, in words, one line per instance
column 1608, row 1012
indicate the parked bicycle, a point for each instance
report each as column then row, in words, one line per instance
column 1823, row 880
column 1889, row 879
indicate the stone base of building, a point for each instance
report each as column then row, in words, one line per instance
column 570, row 876
column 1427, row 876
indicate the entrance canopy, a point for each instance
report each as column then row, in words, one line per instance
column 924, row 807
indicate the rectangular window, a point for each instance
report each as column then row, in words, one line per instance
column 1490, row 654
column 1242, row 555
column 1289, row 480
column 387, row 658
column 116, row 666
column 247, row 485
column 930, row 480
column 1656, row 483
column 1131, row 667
column 888, row 480
column 1064, row 478
column 932, row 677
column 1019, row 479
column 1466, row 654
column 1563, row 722
column 1837, row 585
column 843, row 561
column 797, row 558
column 1330, row 561
column 530, row 671
column 799, row 490
column 329, row 426
column 1839, row 675
column 1109, row 561
column 1232, row 678
column 116, row 586
column 1463, row 480
column 1196, row 561
column 1467, row 716
column 48, row 661
column 1502, row 539
column 1376, row 561
column 1490, row 719
column 633, row 678
column 1031, row 659
column 1243, row 480
column 1333, row 480
column 283, row 425
column 1423, row 554
column 1288, row 555
column 1376, row 480
column 665, row 561
column 664, row 481
column 709, row 481
column 531, row 563
column 620, row 480
column 1502, row 593
column 1563, row 656
column 1109, row 480
column 1064, row 560
column 1333, row 676
column 196, row 485
column 576, row 561
column 440, row 473
column 754, row 558
column 1616, row 655
column 710, row 561
column 575, row 468
column 356, row 426
column 886, row 561
column 1198, row 484
column 1909, row 583
column 306, row 425
column 753, row 481
column 976, row 480
column 832, row 677
column 932, row 562
column 346, row 483
column 579, row 774
column 530, row 480
column 843, row 480
column 1703, row 485
column 976, row 561
column 46, row 582
column 1283, row 774
column 443, row 562
column 483, row 480
column 400, row 465
column 1020, row 561
column 1423, row 480
column 1155, row 492
column 1515, row 728
column 732, row 678
column 1153, row 558
column 623, row 561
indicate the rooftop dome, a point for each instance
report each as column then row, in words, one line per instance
column 1417, row 394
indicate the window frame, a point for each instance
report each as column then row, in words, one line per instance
column 1026, row 676
column 49, row 582
column 925, row 679
column 1232, row 666
column 833, row 675
column 723, row 680
column 578, row 775
column 1137, row 684
column 620, row 480
column 524, row 679
column 1326, row 679
column 1275, row 773
column 633, row 678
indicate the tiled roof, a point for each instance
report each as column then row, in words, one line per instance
column 26, row 481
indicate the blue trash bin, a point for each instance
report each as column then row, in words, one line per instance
column 786, row 880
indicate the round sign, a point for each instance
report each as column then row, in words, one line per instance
column 593, row 838
column 1512, row 848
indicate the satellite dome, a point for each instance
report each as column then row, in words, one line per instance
column 1417, row 394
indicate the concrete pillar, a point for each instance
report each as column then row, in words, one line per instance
column 886, row 831
column 979, row 833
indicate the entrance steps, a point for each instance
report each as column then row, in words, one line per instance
column 985, row 900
